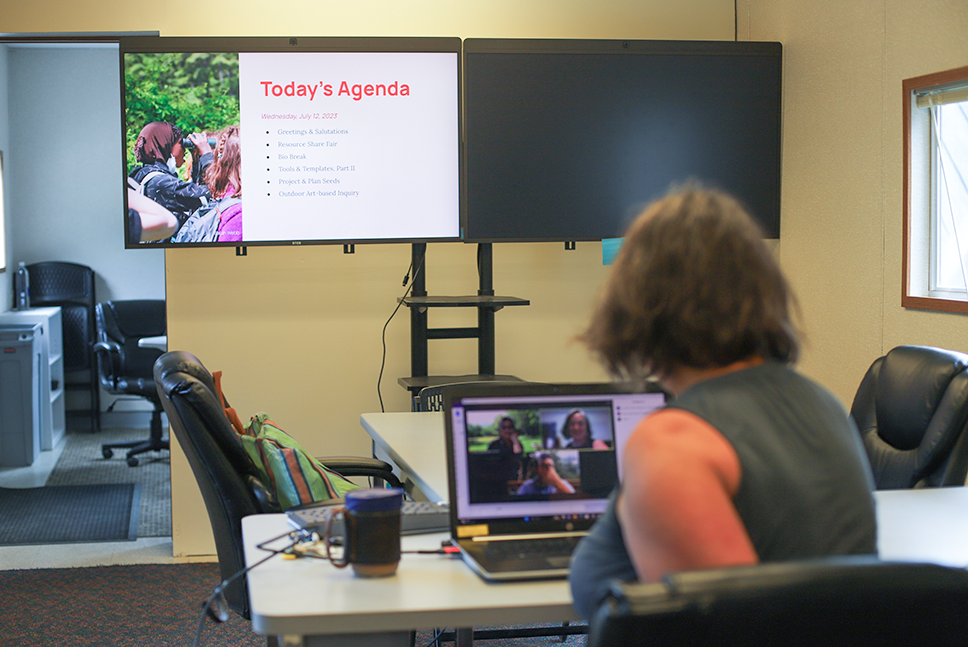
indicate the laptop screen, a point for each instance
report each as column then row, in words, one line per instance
column 538, row 457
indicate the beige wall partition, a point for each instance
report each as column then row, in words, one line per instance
column 844, row 63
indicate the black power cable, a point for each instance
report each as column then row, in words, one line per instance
column 216, row 607
column 409, row 285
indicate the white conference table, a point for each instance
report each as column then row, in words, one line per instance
column 414, row 443
column 311, row 599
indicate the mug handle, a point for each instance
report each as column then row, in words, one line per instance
column 326, row 533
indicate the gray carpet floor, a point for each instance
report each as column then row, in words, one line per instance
column 81, row 463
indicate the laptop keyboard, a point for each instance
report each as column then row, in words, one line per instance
column 424, row 517
column 532, row 548
column 417, row 517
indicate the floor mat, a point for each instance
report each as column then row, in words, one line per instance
column 82, row 463
column 69, row 514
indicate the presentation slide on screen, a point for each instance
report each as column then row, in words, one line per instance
column 349, row 145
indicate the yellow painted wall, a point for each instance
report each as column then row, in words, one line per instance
column 297, row 332
column 692, row 19
column 844, row 63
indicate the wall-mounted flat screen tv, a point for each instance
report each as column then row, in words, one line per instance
column 321, row 140
column 567, row 140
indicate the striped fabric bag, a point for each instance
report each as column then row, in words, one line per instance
column 290, row 470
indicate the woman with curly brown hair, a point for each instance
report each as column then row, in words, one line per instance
column 224, row 180
column 751, row 461
column 221, row 218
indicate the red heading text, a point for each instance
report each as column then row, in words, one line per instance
column 355, row 91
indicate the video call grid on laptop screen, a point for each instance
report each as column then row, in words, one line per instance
column 491, row 485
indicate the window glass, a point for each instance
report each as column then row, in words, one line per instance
column 950, row 204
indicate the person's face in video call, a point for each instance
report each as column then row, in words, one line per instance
column 545, row 467
column 578, row 429
column 506, row 432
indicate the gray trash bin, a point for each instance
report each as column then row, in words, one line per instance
column 20, row 357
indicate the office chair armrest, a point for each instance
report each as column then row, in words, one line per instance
column 361, row 466
column 266, row 498
column 106, row 347
column 107, row 357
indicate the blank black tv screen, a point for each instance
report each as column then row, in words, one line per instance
column 343, row 140
column 568, row 140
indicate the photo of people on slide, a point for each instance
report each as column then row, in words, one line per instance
column 182, row 116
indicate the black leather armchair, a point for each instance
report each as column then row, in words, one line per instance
column 835, row 602
column 227, row 478
column 912, row 411
column 125, row 367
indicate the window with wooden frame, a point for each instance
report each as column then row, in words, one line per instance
column 935, row 263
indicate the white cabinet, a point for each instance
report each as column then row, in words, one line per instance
column 51, row 395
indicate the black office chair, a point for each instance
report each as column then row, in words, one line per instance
column 912, row 412
column 71, row 286
column 227, row 478
column 836, row 602
column 126, row 368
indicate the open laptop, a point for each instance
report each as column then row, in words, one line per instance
column 510, row 516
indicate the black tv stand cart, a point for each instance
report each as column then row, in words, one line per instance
column 420, row 334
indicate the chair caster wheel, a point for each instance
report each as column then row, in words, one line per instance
column 132, row 461
column 106, row 452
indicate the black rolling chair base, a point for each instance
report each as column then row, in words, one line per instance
column 134, row 448
column 155, row 442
